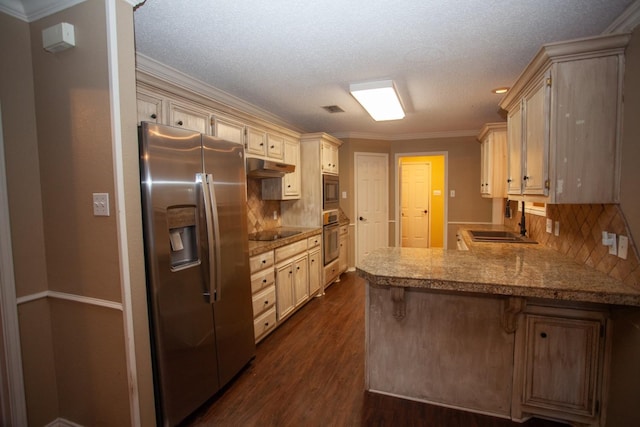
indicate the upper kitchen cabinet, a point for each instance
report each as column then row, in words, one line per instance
column 564, row 122
column 149, row 107
column 330, row 156
column 287, row 187
column 188, row 117
column 263, row 144
column 227, row 129
column 493, row 154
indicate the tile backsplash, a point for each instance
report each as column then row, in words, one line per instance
column 260, row 212
column 580, row 236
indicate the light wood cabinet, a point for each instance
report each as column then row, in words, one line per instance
column 287, row 187
column 292, row 277
column 559, row 364
column 263, row 294
column 227, row 129
column 493, row 154
column 149, row 107
column 188, row 117
column 292, row 285
column 343, row 241
column 275, row 146
column 330, row 157
column 315, row 271
column 331, row 272
column 307, row 210
column 255, row 141
column 564, row 123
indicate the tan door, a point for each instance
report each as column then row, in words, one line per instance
column 414, row 199
column 372, row 202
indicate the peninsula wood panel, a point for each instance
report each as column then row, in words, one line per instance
column 449, row 350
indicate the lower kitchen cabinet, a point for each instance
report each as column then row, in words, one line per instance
column 292, row 285
column 283, row 280
column 343, row 242
column 315, row 271
column 559, row 364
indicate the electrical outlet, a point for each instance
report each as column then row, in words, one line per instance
column 549, row 225
column 100, row 204
column 556, row 231
column 275, row 214
column 623, row 246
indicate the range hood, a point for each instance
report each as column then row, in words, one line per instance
column 261, row 168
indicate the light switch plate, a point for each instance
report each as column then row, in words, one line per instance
column 623, row 246
column 549, row 225
column 100, row 204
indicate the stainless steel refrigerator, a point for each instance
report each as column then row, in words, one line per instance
column 196, row 251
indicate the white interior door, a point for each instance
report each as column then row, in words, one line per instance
column 415, row 187
column 372, row 202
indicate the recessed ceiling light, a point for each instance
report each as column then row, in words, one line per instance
column 380, row 99
column 500, row 90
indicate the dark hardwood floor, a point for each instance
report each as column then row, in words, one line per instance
column 310, row 372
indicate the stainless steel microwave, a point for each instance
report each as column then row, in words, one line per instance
column 330, row 192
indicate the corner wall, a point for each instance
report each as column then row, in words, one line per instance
column 25, row 211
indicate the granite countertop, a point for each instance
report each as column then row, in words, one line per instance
column 256, row 248
column 510, row 269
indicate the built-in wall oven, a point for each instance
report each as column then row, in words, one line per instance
column 330, row 192
column 330, row 232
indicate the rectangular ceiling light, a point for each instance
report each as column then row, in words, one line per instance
column 380, row 99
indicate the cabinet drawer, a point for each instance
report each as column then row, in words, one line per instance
column 264, row 323
column 314, row 241
column 261, row 280
column 344, row 229
column 261, row 261
column 264, row 300
column 288, row 251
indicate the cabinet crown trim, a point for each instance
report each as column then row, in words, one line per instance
column 554, row 52
column 491, row 127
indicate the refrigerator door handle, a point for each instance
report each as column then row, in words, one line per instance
column 215, row 268
column 209, row 292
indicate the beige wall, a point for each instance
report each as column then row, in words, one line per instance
column 625, row 371
column 25, row 210
column 58, row 144
column 462, row 172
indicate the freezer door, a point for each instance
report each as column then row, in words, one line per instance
column 233, row 312
column 183, row 337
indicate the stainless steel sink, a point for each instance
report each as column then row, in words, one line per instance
column 498, row 237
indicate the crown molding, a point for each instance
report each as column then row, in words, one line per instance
column 162, row 72
column 30, row 11
column 406, row 136
column 627, row 21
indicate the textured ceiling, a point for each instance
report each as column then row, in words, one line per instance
column 292, row 57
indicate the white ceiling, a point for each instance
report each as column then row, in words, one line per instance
column 291, row 57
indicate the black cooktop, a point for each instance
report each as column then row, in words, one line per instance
column 268, row 235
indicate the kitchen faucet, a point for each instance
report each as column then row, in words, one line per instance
column 523, row 229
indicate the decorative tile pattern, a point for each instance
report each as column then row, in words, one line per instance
column 260, row 212
column 580, row 238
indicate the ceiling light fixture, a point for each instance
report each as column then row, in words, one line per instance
column 500, row 90
column 380, row 99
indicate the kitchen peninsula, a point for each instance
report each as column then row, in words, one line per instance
column 511, row 330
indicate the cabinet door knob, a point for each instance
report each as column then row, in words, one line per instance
column 525, row 177
column 509, row 180
column 266, row 302
column 266, row 323
column 153, row 116
column 179, row 122
column 543, row 334
column 362, row 219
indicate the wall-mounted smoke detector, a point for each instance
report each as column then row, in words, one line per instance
column 333, row 109
column 58, row 38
